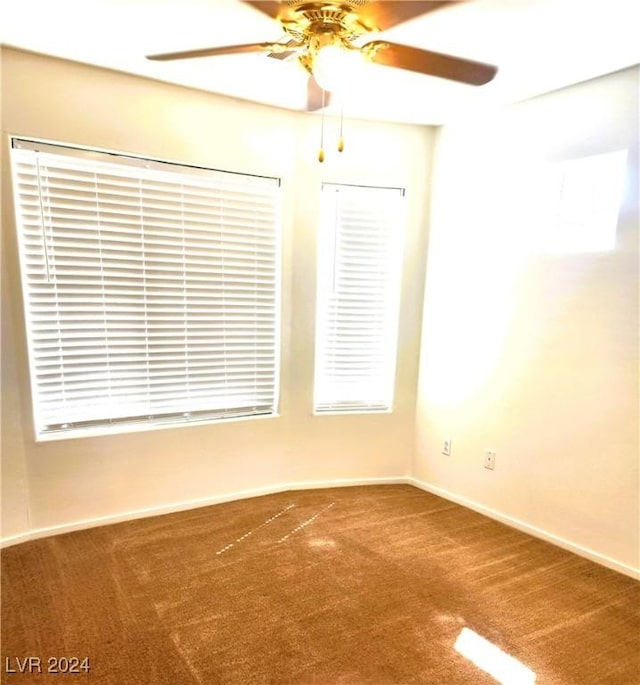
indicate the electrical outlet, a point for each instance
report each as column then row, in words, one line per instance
column 489, row 459
column 446, row 447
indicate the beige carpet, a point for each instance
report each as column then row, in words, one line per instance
column 360, row 586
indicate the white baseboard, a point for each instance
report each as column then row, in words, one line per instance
column 345, row 482
column 191, row 504
column 528, row 528
column 15, row 539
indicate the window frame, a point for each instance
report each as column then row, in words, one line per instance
column 579, row 203
column 360, row 407
column 174, row 419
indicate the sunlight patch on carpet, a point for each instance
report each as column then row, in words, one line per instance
column 321, row 543
column 485, row 655
column 305, row 523
column 227, row 547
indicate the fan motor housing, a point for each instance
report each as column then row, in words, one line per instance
column 324, row 18
column 350, row 4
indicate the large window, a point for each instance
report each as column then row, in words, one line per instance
column 151, row 290
column 359, row 269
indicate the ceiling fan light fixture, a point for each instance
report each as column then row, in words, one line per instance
column 336, row 66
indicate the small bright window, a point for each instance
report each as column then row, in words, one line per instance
column 359, row 271
column 150, row 288
column 581, row 201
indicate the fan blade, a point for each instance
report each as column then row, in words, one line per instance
column 269, row 7
column 314, row 96
column 210, row 52
column 387, row 13
column 431, row 63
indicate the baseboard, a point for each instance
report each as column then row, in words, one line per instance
column 15, row 539
column 346, row 482
column 191, row 504
column 528, row 528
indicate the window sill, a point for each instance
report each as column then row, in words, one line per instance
column 143, row 427
column 352, row 412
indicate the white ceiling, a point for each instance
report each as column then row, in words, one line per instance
column 538, row 45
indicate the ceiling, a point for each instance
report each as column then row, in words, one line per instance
column 538, row 45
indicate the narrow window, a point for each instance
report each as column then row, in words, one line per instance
column 359, row 271
column 151, row 290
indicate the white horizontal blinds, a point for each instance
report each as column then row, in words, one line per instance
column 151, row 292
column 360, row 252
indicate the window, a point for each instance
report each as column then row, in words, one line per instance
column 580, row 203
column 151, row 289
column 360, row 255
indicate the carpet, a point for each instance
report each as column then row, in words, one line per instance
column 373, row 585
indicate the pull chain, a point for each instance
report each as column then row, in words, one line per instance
column 321, row 153
column 341, row 138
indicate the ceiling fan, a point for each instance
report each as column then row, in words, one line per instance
column 319, row 30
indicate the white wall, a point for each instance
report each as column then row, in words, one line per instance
column 531, row 354
column 69, row 481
